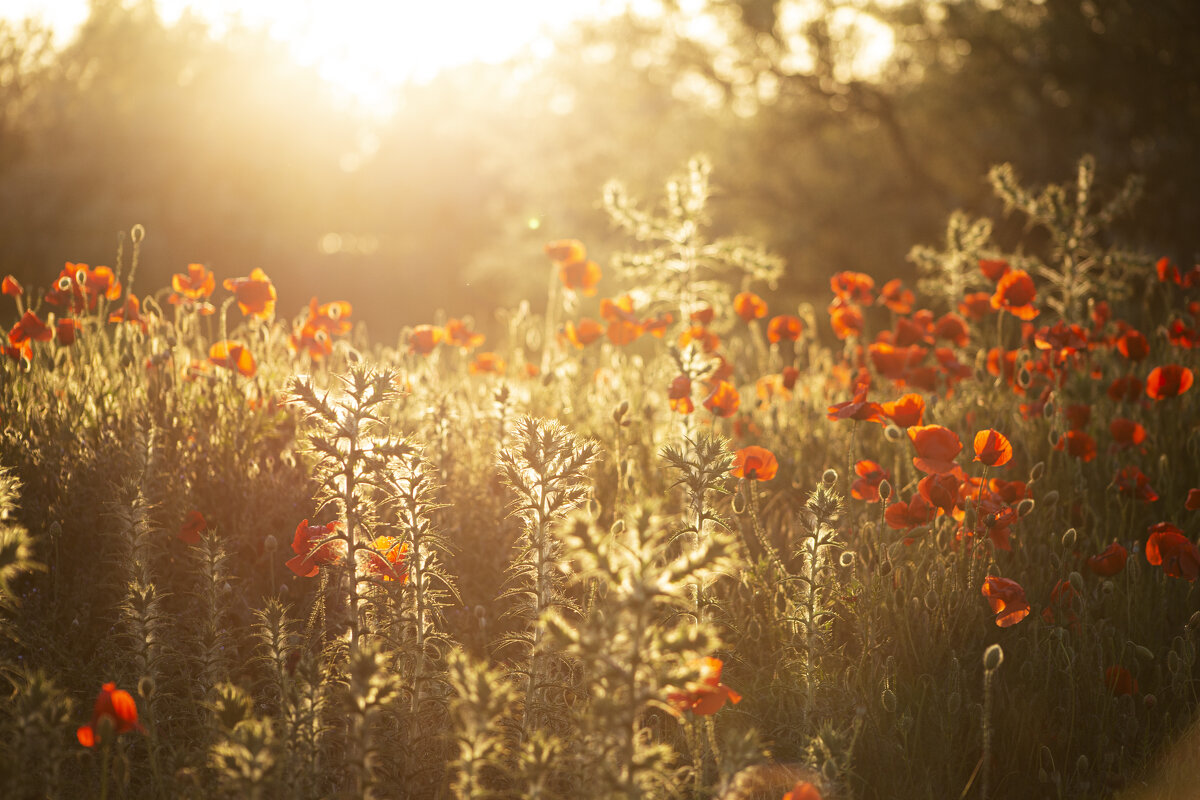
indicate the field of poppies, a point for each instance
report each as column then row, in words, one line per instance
column 662, row 536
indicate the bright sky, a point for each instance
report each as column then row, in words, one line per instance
column 367, row 46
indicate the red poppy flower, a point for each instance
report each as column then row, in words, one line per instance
column 846, row 320
column 803, row 790
column 117, row 707
column 193, row 525
column 334, row 317
column 423, row 338
column 255, row 295
column 1167, row 271
column 953, row 328
column 1007, row 599
column 784, row 326
column 997, row 521
column 703, row 315
column 131, row 312
column 903, row 516
column 66, row 331
column 386, row 558
column 1118, row 681
column 1126, row 432
column 1064, row 598
column 234, row 356
column 1110, row 561
column 679, row 395
column 1175, row 552
column 858, row 408
column 1193, row 500
column 853, row 287
column 657, row 325
column 197, row 284
column 315, row 546
column 895, row 363
column 1078, row 416
column 897, row 299
column 1133, row 345
column 976, row 306
column 1131, row 481
column 1015, row 293
column 724, row 400
column 748, row 306
column 1182, row 335
column 992, row 448
column 29, row 328
column 566, row 250
column 1171, row 380
column 311, row 339
column 707, row 695
column 754, row 463
column 11, row 286
column 1078, row 444
column 941, row 490
column 909, row 331
column 994, row 268
column 487, row 362
column 1128, row 389
column 702, row 336
column 582, row 276
column 870, row 475
column 936, row 446
column 789, row 376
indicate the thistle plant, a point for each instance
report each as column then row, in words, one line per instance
column 816, row 521
column 547, row 469
column 482, row 702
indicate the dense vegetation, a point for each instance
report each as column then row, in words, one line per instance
column 673, row 537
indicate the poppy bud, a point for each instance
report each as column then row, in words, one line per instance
column 480, row 612
column 931, row 599
column 1024, row 378
column 1068, row 539
column 888, row 701
column 146, row 687
column 620, row 411
column 1194, row 622
column 1048, row 409
column 618, row 527
column 993, row 657
column 1173, row 662
column 846, row 559
column 1052, row 436
column 1081, row 765
column 1107, row 588
column 593, row 507
column 1149, row 701
column 1045, row 758
column 1143, row 652
column 885, row 489
column 1026, row 505
column 1039, row 469
column 284, row 590
column 270, row 544
column 829, row 770
column 738, row 504
column 829, row 478
column 56, row 531
column 137, row 233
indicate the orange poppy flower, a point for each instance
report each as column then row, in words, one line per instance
column 1167, row 271
column 487, row 362
column 315, row 546
column 1064, row 598
column 994, row 268
column 1078, row 415
column 858, row 408
column 386, row 558
column 460, row 335
column 936, row 446
column 1181, row 335
column 896, row 297
column 703, row 315
column 754, row 463
column 1127, row 389
column 11, row 286
column 870, row 475
column 1078, row 444
column 1171, row 380
column 905, row 412
column 1133, row 345
column 131, row 312
column 311, row 339
column 976, row 306
column 707, row 695
column 116, row 706
column 853, row 287
column 679, row 395
column 1131, row 481
column 197, row 284
column 333, row 317
column 724, row 400
column 29, row 328
column 903, row 516
column 992, row 448
column 803, row 790
column 1118, row 681
column 423, row 338
column 583, row 333
column 846, row 320
column 748, row 306
column 622, row 332
column 706, row 339
column 1108, row 562
column 1014, row 294
column 255, row 295
column 566, row 250
column 953, row 328
column 657, row 325
column 1126, row 432
column 1007, row 599
column 1175, row 552
column 784, row 326
column 233, row 355
column 193, row 525
column 941, row 490
column 66, row 331
column 581, row 276
column 789, row 376
column 895, row 363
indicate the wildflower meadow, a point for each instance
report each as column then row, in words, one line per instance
column 654, row 534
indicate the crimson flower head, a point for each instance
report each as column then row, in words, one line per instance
column 1118, row 681
column 846, row 319
column 870, row 475
column 1007, row 599
column 315, row 546
column 994, row 268
column 941, row 490
column 1133, row 345
column 853, row 287
column 1015, row 293
column 679, row 395
column 386, row 558
column 707, row 695
column 903, row 516
column 197, row 283
column 233, row 356
column 724, row 400
column 754, row 463
column 117, row 707
column 748, row 306
column 1110, row 561
column 784, row 326
column 937, row 447
column 255, row 294
column 906, row 412
column 193, row 525
column 1133, row 482
column 1167, row 546
column 896, row 297
column 1171, row 380
column 29, row 328
column 992, row 448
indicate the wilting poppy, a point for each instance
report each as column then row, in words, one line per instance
column 724, row 400
column 953, row 328
column 583, row 333
column 315, row 546
column 749, row 306
column 755, row 464
column 905, row 516
column 896, row 297
column 870, row 475
column 117, row 707
column 387, row 558
column 853, row 287
column 193, row 525
column 486, row 362
column 29, row 328
column 197, row 284
column 1171, row 380
column 1108, row 562
column 858, row 408
column 11, row 286
column 992, row 448
column 994, row 268
column 1078, row 444
column 1175, row 552
column 1118, row 681
column 936, row 446
column 1014, row 294
column 255, row 295
column 234, row 356
column 1126, row 432
column 789, row 376
column 423, row 338
column 846, row 321
column 1007, row 599
column 1131, row 481
column 565, row 250
column 679, row 395
column 707, row 695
